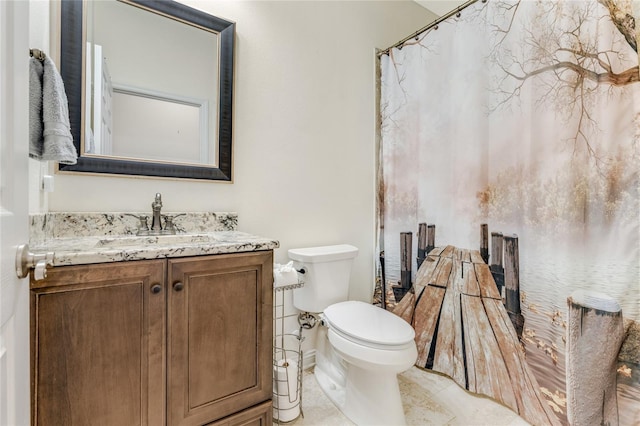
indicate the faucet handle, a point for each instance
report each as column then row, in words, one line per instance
column 169, row 226
column 143, row 225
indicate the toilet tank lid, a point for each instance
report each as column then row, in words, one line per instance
column 324, row 253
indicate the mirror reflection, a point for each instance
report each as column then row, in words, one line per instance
column 150, row 88
column 148, row 96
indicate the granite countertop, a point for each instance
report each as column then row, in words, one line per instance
column 77, row 238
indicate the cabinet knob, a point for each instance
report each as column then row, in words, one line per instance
column 178, row 286
column 156, row 288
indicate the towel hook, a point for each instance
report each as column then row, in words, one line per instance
column 38, row 54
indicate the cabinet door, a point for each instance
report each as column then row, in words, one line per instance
column 219, row 335
column 97, row 345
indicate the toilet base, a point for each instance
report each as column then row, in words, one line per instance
column 366, row 397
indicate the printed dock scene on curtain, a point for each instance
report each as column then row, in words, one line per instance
column 509, row 204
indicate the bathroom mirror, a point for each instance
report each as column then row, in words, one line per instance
column 150, row 88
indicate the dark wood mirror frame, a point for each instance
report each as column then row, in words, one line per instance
column 71, row 69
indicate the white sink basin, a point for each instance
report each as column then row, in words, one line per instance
column 160, row 240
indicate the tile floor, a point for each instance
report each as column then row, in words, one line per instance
column 428, row 399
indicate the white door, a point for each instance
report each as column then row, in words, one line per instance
column 14, row 147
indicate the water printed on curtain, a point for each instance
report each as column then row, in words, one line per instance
column 524, row 116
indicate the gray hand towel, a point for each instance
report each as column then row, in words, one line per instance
column 50, row 135
column 36, row 139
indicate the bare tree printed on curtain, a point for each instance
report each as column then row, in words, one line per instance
column 574, row 66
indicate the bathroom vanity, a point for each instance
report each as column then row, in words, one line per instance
column 151, row 330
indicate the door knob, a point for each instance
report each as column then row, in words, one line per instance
column 178, row 286
column 156, row 288
column 26, row 260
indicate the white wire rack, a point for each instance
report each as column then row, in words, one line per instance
column 287, row 362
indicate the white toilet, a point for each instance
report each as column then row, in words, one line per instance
column 360, row 348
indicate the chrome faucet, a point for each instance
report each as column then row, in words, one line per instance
column 156, row 228
column 156, row 223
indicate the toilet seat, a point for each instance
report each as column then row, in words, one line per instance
column 369, row 325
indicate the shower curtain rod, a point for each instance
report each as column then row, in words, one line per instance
column 455, row 11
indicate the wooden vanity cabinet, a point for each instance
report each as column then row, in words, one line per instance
column 180, row 341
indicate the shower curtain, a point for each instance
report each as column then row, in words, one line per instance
column 525, row 116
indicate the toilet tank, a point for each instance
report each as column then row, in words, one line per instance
column 326, row 277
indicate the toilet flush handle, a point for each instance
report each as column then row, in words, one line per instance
column 307, row 320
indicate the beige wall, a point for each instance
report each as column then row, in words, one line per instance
column 304, row 133
column 39, row 28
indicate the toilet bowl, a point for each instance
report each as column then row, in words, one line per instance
column 372, row 357
column 361, row 348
